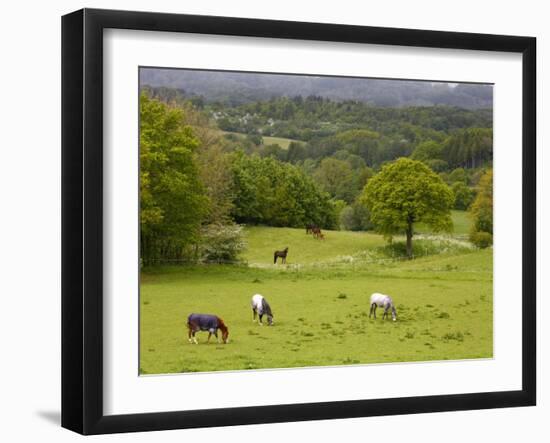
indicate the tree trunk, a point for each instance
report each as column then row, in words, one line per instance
column 410, row 241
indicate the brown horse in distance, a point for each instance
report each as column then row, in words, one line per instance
column 281, row 254
column 317, row 233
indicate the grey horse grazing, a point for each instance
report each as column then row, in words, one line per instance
column 261, row 307
column 382, row 301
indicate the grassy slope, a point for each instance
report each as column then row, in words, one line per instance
column 304, row 249
column 321, row 312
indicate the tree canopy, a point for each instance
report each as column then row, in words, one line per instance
column 270, row 192
column 406, row 192
column 172, row 198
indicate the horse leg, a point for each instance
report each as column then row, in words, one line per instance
column 260, row 316
column 253, row 315
column 374, row 305
column 189, row 332
column 371, row 310
column 209, row 335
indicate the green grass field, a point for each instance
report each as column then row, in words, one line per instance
column 281, row 141
column 320, row 301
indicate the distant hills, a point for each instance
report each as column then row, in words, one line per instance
column 236, row 88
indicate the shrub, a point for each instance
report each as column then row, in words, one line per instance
column 221, row 243
column 424, row 247
column 481, row 239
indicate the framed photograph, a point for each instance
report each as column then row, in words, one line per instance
column 269, row 221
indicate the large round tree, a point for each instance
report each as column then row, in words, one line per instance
column 406, row 192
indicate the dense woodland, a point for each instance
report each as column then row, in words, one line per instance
column 209, row 167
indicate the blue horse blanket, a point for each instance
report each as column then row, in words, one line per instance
column 204, row 322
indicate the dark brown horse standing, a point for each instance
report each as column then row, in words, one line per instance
column 281, row 254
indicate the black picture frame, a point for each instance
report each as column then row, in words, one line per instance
column 82, row 218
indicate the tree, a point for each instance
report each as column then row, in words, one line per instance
column 172, row 198
column 482, row 212
column 213, row 163
column 463, row 195
column 336, row 177
column 428, row 150
column 295, row 152
column 406, row 192
column 275, row 193
column 458, row 175
column 469, row 148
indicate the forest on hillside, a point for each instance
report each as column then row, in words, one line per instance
column 209, row 166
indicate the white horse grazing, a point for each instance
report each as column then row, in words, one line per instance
column 261, row 307
column 383, row 301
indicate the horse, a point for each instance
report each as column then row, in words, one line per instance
column 316, row 232
column 206, row 322
column 261, row 307
column 310, row 227
column 281, row 254
column 385, row 301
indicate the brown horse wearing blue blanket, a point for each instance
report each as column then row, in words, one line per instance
column 206, row 322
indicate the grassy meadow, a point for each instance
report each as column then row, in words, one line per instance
column 268, row 140
column 320, row 301
column 281, row 141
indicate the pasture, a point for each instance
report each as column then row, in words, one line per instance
column 320, row 301
column 268, row 140
column 281, row 141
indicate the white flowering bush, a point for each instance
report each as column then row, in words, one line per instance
column 221, row 243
